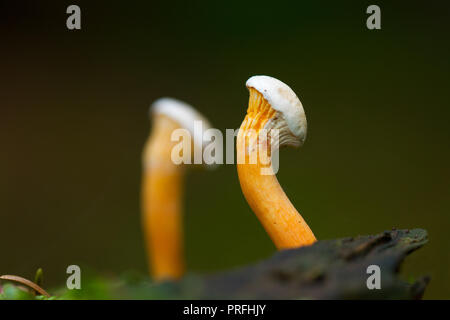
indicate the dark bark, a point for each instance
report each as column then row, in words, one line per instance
column 329, row 269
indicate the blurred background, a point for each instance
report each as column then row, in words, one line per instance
column 74, row 119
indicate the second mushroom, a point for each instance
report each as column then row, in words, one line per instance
column 163, row 186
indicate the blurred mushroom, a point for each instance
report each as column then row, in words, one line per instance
column 163, row 186
column 275, row 109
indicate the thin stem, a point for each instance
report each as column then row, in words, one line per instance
column 26, row 282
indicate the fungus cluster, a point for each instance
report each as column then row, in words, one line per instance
column 275, row 118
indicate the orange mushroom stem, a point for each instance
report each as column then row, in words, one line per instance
column 163, row 188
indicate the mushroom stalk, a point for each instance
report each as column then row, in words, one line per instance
column 283, row 223
column 162, row 193
column 163, row 183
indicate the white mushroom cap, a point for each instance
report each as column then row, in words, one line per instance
column 184, row 114
column 283, row 100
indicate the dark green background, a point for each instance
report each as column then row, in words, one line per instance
column 73, row 120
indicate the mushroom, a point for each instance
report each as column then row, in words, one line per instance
column 275, row 118
column 163, row 186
